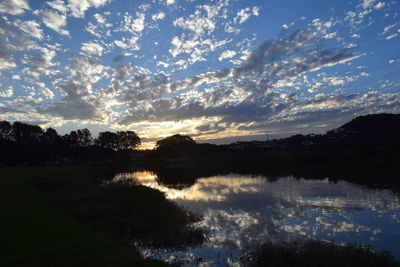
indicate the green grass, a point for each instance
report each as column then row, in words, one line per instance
column 36, row 232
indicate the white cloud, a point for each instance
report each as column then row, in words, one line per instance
column 92, row 49
column 39, row 65
column 163, row 64
column 132, row 25
column 58, row 5
column 78, row 101
column 16, row 77
column 245, row 13
column 170, row 2
column 14, row 7
column 379, row 5
column 53, row 20
column 391, row 36
column 198, row 41
column 100, row 28
column 101, row 20
column 128, row 43
column 31, row 28
column 7, row 64
column 367, row 3
column 227, row 54
column 12, row 39
column 78, row 7
column 388, row 28
column 158, row 16
column 135, row 26
column 44, row 90
column 9, row 92
column 330, row 35
column 256, row 11
column 92, row 29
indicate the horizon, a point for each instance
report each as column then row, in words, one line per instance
column 149, row 144
column 225, row 70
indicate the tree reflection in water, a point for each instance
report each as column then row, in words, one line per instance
column 241, row 211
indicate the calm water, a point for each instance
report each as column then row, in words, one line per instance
column 242, row 211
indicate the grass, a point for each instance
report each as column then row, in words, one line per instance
column 45, row 220
column 313, row 253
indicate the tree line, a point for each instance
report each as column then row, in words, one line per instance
column 23, row 133
column 22, row 143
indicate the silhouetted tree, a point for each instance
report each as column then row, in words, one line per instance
column 107, row 140
column 177, row 145
column 127, row 140
column 24, row 143
column 71, row 139
column 5, row 130
column 25, row 133
column 50, row 136
column 85, row 137
column 119, row 140
column 174, row 141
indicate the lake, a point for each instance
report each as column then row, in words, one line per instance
column 242, row 211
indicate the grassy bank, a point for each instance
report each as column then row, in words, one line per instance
column 62, row 216
column 309, row 253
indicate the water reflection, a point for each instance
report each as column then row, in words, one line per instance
column 242, row 211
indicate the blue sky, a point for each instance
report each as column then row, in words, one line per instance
column 216, row 70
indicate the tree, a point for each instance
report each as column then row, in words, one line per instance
column 71, row 139
column 84, row 137
column 25, row 133
column 119, row 140
column 50, row 136
column 128, row 140
column 177, row 145
column 107, row 140
column 5, row 130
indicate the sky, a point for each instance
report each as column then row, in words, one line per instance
column 219, row 71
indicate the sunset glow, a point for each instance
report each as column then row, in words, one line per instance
column 221, row 71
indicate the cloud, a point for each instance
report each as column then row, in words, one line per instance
column 245, row 13
column 367, row 3
column 246, row 94
column 9, row 92
column 12, row 39
column 54, row 20
column 100, row 28
column 78, row 7
column 92, row 49
column 198, row 40
column 379, row 5
column 132, row 25
column 58, row 5
column 10, row 111
column 263, row 59
column 227, row 54
column 110, row 81
column 14, row 7
column 78, row 101
column 392, row 36
column 158, row 16
column 45, row 91
column 39, row 65
column 31, row 28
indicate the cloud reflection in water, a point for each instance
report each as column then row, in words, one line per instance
column 242, row 211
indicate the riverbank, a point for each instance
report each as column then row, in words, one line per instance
column 62, row 216
column 305, row 253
